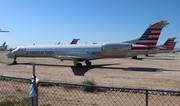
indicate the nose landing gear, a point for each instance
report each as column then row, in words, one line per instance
column 15, row 62
column 134, row 57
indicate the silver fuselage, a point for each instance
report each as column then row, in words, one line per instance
column 82, row 52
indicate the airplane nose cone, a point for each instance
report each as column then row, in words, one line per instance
column 10, row 55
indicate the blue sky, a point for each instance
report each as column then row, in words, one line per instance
column 46, row 22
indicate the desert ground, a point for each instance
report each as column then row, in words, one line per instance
column 158, row 71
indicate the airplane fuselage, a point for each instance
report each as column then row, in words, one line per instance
column 89, row 52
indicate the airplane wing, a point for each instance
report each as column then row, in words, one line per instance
column 68, row 57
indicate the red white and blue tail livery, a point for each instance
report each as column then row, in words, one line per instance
column 150, row 37
column 169, row 44
column 147, row 42
column 152, row 33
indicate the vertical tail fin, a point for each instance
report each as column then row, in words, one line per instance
column 74, row 41
column 3, row 45
column 58, row 43
column 169, row 43
column 152, row 33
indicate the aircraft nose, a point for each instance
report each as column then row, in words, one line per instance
column 10, row 55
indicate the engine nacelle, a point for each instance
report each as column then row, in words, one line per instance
column 116, row 47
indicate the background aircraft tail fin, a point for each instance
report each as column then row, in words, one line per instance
column 3, row 45
column 152, row 33
column 74, row 41
column 169, row 41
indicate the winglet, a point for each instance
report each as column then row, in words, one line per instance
column 160, row 24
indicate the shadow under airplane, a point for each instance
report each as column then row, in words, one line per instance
column 81, row 71
column 141, row 58
column 53, row 65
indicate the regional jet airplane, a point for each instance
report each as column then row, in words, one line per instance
column 3, row 47
column 76, row 53
column 167, row 47
column 3, row 30
column 87, row 52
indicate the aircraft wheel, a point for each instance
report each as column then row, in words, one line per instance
column 135, row 57
column 147, row 55
column 78, row 65
column 88, row 63
column 14, row 62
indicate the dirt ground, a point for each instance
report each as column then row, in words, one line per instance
column 159, row 71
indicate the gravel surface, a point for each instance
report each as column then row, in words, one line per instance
column 158, row 71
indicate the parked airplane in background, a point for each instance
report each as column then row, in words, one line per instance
column 74, row 41
column 167, row 47
column 176, row 50
column 147, row 42
column 87, row 52
column 3, row 47
column 3, row 30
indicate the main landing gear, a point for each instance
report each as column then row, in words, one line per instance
column 134, row 57
column 77, row 64
column 88, row 63
column 147, row 55
column 15, row 62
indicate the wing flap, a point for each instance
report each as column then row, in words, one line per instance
column 67, row 57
